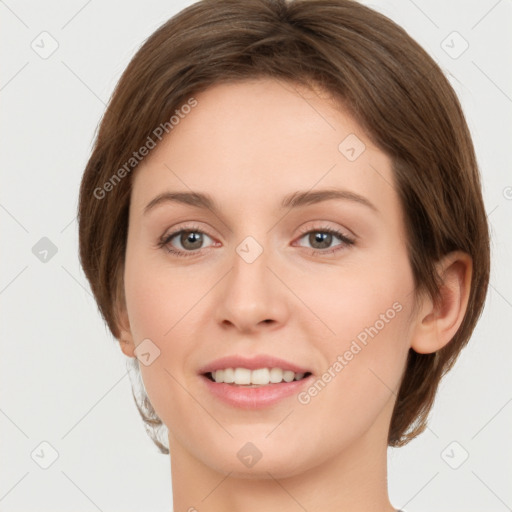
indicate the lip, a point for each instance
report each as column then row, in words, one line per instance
column 253, row 363
column 244, row 397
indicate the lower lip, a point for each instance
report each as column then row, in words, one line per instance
column 254, row 398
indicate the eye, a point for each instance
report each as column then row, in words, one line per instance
column 189, row 241
column 184, row 242
column 322, row 238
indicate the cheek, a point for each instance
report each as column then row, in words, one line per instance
column 365, row 349
column 366, row 299
column 156, row 297
column 163, row 307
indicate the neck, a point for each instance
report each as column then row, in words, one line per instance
column 354, row 480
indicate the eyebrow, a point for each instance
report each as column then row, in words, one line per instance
column 295, row 200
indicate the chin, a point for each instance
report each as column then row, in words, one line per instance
column 268, row 464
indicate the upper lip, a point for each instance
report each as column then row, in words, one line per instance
column 252, row 363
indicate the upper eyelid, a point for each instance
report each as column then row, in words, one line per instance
column 302, row 231
column 343, row 237
column 324, row 225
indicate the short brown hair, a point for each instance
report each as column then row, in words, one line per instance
column 386, row 81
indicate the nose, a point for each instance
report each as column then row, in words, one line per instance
column 251, row 297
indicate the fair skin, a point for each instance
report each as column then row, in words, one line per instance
column 248, row 145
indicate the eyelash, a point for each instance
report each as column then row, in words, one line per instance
column 164, row 242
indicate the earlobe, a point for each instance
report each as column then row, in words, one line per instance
column 125, row 337
column 438, row 321
column 127, row 347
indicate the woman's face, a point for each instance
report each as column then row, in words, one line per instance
column 324, row 284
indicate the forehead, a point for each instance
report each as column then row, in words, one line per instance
column 262, row 137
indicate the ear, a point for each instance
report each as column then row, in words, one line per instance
column 437, row 322
column 125, row 336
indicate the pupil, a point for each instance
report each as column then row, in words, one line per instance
column 323, row 238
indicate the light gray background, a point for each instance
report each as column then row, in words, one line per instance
column 63, row 378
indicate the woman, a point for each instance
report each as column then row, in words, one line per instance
column 283, row 226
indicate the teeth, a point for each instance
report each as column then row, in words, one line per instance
column 258, row 377
column 228, row 376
